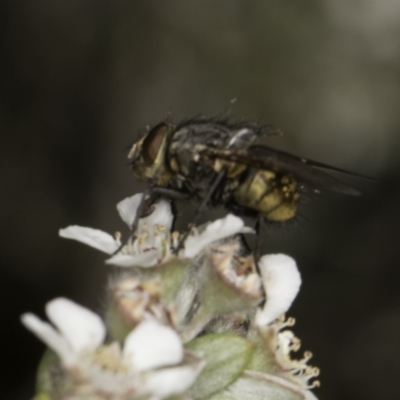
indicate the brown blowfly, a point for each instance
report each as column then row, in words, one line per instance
column 220, row 163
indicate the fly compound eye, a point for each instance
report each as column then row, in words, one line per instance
column 152, row 143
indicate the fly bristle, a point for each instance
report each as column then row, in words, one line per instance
column 232, row 123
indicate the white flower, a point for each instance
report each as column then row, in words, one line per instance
column 152, row 235
column 79, row 329
column 235, row 271
column 154, row 243
column 301, row 372
column 152, row 352
column 214, row 231
column 283, row 342
column 282, row 282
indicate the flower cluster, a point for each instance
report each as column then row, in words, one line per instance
column 189, row 316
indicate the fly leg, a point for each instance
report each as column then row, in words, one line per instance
column 150, row 195
column 257, row 251
column 203, row 205
column 207, row 198
column 171, row 194
column 257, row 248
column 144, row 203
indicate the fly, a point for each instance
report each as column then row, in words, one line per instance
column 221, row 163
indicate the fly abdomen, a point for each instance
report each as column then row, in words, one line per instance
column 273, row 195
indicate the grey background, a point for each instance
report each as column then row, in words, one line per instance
column 80, row 79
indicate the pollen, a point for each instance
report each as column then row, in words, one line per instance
column 109, row 358
column 142, row 238
column 175, row 239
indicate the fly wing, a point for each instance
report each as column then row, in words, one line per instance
column 242, row 138
column 301, row 168
column 245, row 136
column 265, row 157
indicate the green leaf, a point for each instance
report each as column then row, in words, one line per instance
column 51, row 379
column 252, row 388
column 222, row 396
column 42, row 396
column 227, row 357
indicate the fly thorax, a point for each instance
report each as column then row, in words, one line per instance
column 185, row 160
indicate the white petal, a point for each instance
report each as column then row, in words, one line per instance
column 127, row 208
column 50, row 336
column 169, row 381
column 82, row 328
column 285, row 339
column 146, row 259
column 161, row 215
column 92, row 237
column 152, row 345
column 217, row 230
column 282, row 281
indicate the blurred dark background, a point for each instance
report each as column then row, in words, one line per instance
column 80, row 79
